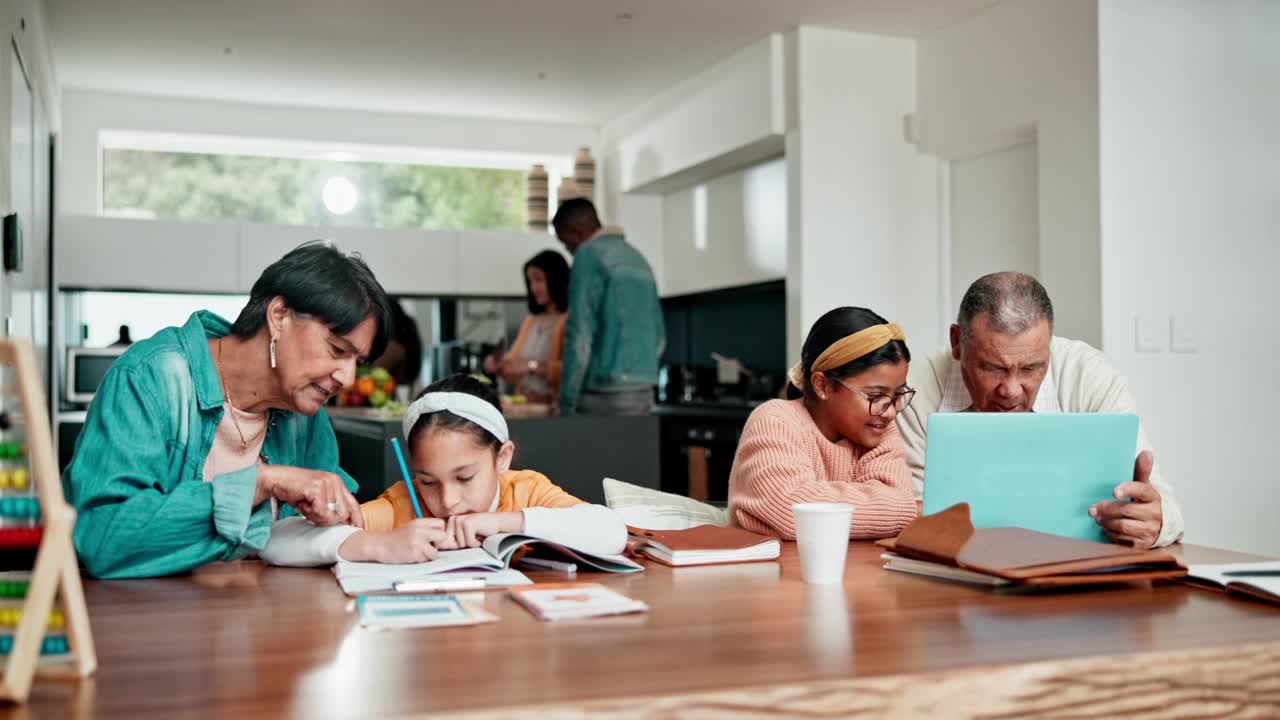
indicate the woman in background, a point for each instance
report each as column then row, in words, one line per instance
column 532, row 366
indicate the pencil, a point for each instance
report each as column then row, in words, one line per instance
column 408, row 481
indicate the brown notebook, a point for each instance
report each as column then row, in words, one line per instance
column 1027, row 557
column 703, row 545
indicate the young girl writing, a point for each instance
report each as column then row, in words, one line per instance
column 460, row 452
column 837, row 442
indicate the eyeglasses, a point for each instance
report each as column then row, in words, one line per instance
column 878, row 404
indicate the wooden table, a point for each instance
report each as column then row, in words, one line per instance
column 241, row 640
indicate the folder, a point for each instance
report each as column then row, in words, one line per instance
column 1026, row 557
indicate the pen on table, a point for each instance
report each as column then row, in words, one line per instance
column 404, row 471
column 432, row 586
column 1252, row 573
column 566, row 567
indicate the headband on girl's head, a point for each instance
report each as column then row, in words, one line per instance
column 848, row 349
column 464, row 405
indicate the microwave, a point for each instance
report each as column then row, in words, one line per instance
column 86, row 367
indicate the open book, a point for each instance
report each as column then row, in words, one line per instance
column 493, row 556
column 1258, row 580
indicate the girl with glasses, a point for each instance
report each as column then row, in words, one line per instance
column 836, row 440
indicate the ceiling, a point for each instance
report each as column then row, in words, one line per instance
column 568, row 61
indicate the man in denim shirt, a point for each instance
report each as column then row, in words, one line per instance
column 614, row 332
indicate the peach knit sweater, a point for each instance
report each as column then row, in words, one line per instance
column 783, row 459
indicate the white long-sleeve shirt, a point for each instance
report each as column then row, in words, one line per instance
column 1079, row 380
column 594, row 529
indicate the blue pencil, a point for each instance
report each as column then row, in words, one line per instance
column 408, row 482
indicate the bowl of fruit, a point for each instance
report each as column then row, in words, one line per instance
column 373, row 388
column 519, row 406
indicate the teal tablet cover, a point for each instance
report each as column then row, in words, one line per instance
column 1035, row 471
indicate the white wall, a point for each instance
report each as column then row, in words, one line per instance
column 33, row 43
column 861, row 203
column 727, row 117
column 1028, row 68
column 1190, row 213
column 728, row 231
column 24, row 177
column 88, row 113
column 696, row 130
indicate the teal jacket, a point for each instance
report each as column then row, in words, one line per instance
column 136, row 480
column 614, row 332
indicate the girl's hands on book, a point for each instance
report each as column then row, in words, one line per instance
column 414, row 542
column 468, row 531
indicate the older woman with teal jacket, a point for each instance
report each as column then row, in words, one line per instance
column 201, row 437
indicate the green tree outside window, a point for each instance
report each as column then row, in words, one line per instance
column 288, row 191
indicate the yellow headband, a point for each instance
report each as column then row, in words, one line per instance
column 848, row 349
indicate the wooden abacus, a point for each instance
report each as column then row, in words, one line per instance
column 45, row 641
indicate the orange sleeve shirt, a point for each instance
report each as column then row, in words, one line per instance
column 517, row 490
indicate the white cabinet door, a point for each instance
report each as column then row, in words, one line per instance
column 406, row 262
column 492, row 262
column 164, row 255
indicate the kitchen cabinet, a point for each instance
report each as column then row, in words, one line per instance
column 406, row 262
column 178, row 256
column 102, row 253
column 699, row 442
column 491, row 262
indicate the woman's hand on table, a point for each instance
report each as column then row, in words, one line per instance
column 514, row 368
column 320, row 497
column 414, row 542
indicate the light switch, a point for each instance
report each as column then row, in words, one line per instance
column 1182, row 335
column 1149, row 334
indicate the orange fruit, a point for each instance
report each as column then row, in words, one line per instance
column 365, row 386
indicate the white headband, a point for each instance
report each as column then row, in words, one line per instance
column 463, row 405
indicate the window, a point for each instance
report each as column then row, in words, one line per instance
column 100, row 315
column 146, row 183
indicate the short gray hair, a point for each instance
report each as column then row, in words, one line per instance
column 1013, row 302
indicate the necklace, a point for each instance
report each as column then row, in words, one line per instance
column 226, row 395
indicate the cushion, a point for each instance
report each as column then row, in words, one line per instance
column 656, row 510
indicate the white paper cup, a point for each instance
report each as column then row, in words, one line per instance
column 822, row 533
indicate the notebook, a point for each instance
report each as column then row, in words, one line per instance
column 1257, row 580
column 1035, row 471
column 703, row 545
column 494, row 555
column 897, row 563
column 386, row 612
column 1027, row 557
column 569, row 601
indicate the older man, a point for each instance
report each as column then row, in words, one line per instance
column 1004, row 358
